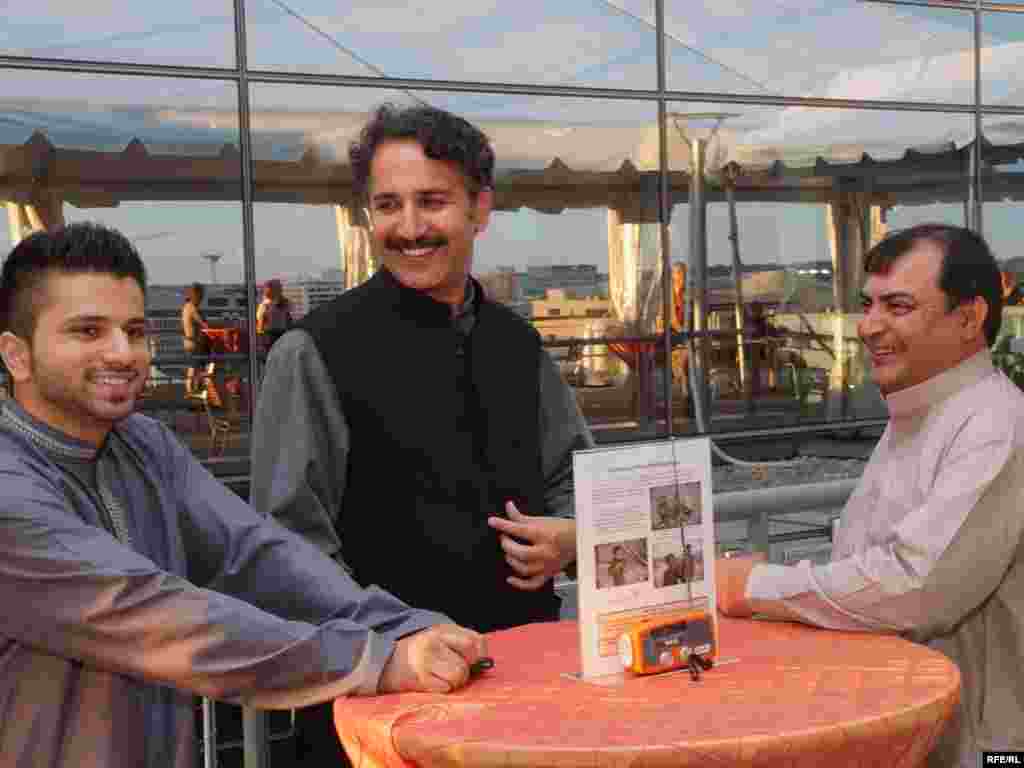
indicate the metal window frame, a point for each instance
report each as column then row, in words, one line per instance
column 243, row 77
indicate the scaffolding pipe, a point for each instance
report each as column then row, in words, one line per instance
column 737, row 278
column 697, row 274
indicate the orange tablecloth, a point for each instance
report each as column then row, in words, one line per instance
column 797, row 696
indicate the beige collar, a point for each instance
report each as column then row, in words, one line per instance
column 941, row 386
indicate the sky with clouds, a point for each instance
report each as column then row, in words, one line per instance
column 834, row 48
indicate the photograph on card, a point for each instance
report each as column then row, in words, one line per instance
column 620, row 563
column 677, row 563
column 675, row 505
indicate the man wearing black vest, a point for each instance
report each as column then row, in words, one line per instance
column 412, row 428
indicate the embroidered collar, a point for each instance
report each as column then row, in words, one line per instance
column 54, row 442
column 466, row 317
column 941, row 386
column 425, row 308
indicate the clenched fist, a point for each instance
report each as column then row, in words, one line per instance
column 435, row 660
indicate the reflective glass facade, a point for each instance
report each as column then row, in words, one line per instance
column 762, row 147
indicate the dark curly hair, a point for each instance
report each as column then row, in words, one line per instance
column 442, row 135
column 75, row 248
column 968, row 267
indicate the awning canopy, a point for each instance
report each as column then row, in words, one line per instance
column 89, row 178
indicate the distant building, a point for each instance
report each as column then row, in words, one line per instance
column 560, row 303
column 561, row 316
column 576, row 279
column 505, row 285
column 307, row 294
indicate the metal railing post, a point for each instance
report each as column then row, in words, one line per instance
column 209, row 734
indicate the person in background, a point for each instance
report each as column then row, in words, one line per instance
column 931, row 542
column 273, row 315
column 414, row 420
column 680, row 349
column 192, row 326
column 132, row 580
column 1011, row 288
column 763, row 361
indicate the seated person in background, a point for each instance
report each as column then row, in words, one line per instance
column 131, row 579
column 1011, row 288
column 680, row 350
column 930, row 544
column 273, row 315
column 763, row 358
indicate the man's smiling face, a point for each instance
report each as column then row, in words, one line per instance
column 908, row 328
column 425, row 219
column 88, row 359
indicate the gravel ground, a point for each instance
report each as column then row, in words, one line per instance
column 806, row 469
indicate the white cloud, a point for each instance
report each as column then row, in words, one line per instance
column 799, row 47
column 182, row 32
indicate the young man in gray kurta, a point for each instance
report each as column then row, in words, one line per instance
column 130, row 579
column 930, row 543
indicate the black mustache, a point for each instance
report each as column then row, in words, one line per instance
column 401, row 244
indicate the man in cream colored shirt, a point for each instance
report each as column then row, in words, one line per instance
column 930, row 543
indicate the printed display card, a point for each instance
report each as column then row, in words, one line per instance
column 645, row 541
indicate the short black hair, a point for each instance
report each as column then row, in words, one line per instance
column 968, row 267
column 442, row 135
column 74, row 248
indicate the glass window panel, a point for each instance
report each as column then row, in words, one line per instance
column 844, row 49
column 122, row 151
column 188, row 33
column 569, row 172
column 573, row 42
column 1003, row 190
column 1003, row 46
column 168, row 116
column 812, row 188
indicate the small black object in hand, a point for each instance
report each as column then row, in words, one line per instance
column 696, row 663
column 481, row 665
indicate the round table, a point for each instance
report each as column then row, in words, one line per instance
column 786, row 695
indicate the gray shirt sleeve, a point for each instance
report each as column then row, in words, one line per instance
column 563, row 430
column 73, row 590
column 300, row 443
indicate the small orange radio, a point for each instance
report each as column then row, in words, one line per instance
column 660, row 645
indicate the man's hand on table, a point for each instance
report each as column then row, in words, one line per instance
column 731, row 577
column 434, row 660
column 548, row 546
